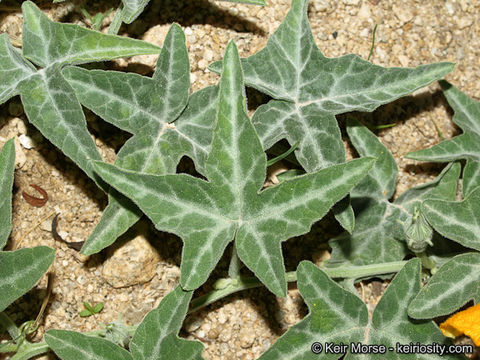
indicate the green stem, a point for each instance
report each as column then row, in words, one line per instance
column 114, row 27
column 7, row 324
column 244, row 283
column 282, row 156
column 235, row 264
column 29, row 350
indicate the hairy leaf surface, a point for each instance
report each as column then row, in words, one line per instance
column 458, row 221
column 465, row 146
column 451, row 287
column 309, row 89
column 156, row 338
column 7, row 163
column 49, row 101
column 380, row 232
column 165, row 121
column 71, row 345
column 20, row 270
column 207, row 215
column 338, row 316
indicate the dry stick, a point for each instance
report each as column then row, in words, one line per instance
column 50, row 277
column 373, row 42
column 33, row 228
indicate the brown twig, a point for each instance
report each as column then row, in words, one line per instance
column 50, row 277
column 17, row 245
column 34, row 201
column 76, row 245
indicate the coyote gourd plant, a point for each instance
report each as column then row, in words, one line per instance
column 309, row 89
column 292, row 70
column 229, row 202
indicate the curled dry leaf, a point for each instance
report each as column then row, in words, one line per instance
column 76, row 245
column 34, row 201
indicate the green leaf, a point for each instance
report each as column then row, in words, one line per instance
column 156, row 338
column 49, row 101
column 97, row 308
column 88, row 306
column 309, row 89
column 458, row 221
column 464, row 146
column 20, row 270
column 72, row 44
column 167, row 124
column 380, row 231
column 85, row 313
column 208, row 215
column 132, row 9
column 338, row 316
column 451, row 287
column 13, row 69
column 7, row 163
column 71, row 345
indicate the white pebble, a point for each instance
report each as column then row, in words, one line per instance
column 26, row 141
column 193, row 78
column 351, row 2
column 20, row 157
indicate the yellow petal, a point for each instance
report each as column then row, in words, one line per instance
column 464, row 322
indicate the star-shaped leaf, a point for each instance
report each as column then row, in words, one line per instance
column 380, row 233
column 156, row 337
column 7, row 162
column 207, row 215
column 165, row 121
column 338, row 316
column 451, row 287
column 464, row 146
column 49, row 101
column 309, row 89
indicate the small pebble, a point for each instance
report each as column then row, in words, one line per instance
column 26, row 141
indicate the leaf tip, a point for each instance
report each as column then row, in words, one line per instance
column 215, row 67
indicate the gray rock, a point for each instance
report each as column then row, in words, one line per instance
column 132, row 260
